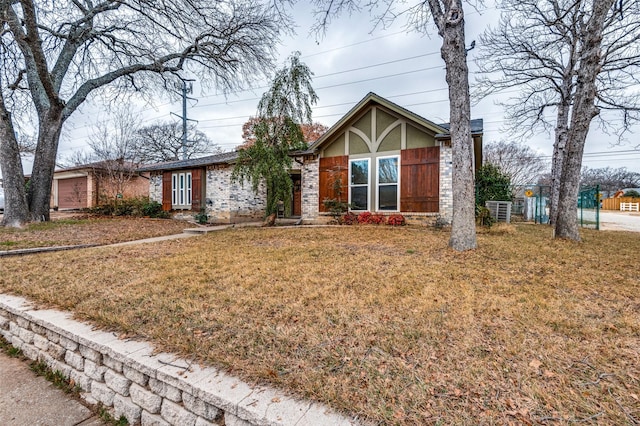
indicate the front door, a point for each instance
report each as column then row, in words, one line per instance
column 296, row 208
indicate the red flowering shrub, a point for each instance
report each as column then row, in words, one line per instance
column 364, row 217
column 377, row 219
column 396, row 220
column 349, row 219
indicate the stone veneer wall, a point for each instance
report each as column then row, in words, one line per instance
column 446, row 183
column 231, row 202
column 310, row 190
column 131, row 379
column 155, row 187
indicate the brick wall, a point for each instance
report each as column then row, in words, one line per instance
column 446, row 183
column 230, row 202
column 310, row 190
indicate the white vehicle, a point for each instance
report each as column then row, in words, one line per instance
column 1, row 199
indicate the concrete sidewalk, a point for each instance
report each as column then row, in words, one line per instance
column 27, row 399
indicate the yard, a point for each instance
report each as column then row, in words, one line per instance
column 384, row 323
column 82, row 229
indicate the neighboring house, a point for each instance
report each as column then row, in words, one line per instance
column 88, row 185
column 379, row 157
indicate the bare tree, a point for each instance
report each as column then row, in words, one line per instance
column 610, row 179
column 164, row 142
column 15, row 212
column 448, row 17
column 27, row 145
column 114, row 154
column 543, row 49
column 521, row 163
column 57, row 54
column 583, row 111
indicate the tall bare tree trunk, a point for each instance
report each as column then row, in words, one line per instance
column 584, row 110
column 16, row 211
column 39, row 195
column 450, row 23
column 559, row 146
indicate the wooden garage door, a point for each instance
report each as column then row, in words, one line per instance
column 72, row 193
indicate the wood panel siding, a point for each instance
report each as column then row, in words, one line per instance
column 166, row 191
column 333, row 169
column 196, row 189
column 420, row 180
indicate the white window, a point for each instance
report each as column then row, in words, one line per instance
column 359, row 184
column 388, row 195
column 181, row 190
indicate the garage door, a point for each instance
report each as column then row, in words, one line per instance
column 72, row 193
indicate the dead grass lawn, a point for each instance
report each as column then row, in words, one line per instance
column 387, row 324
column 83, row 229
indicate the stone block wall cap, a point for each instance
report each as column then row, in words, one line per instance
column 15, row 304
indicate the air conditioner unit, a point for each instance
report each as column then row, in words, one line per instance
column 500, row 210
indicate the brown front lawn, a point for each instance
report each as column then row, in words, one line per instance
column 385, row 323
column 84, row 229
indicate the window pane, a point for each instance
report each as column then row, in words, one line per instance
column 388, row 170
column 359, row 197
column 174, row 189
column 188, row 188
column 360, row 172
column 388, row 197
column 181, row 188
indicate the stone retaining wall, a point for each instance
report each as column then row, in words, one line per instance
column 148, row 388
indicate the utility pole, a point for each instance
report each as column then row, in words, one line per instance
column 186, row 89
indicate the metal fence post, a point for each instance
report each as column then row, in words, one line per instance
column 597, row 207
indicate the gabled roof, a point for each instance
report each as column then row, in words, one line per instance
column 224, row 158
column 441, row 130
column 366, row 102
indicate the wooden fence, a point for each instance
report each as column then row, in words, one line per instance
column 614, row 203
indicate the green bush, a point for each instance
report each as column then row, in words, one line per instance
column 202, row 218
column 136, row 207
column 154, row 209
column 492, row 185
column 632, row 193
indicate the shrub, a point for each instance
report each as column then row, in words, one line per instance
column 632, row 193
column 377, row 219
column 349, row 219
column 202, row 218
column 364, row 217
column 151, row 208
column 336, row 207
column 396, row 220
column 130, row 207
column 492, row 185
column 483, row 217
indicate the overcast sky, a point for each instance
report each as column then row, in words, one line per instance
column 350, row 61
